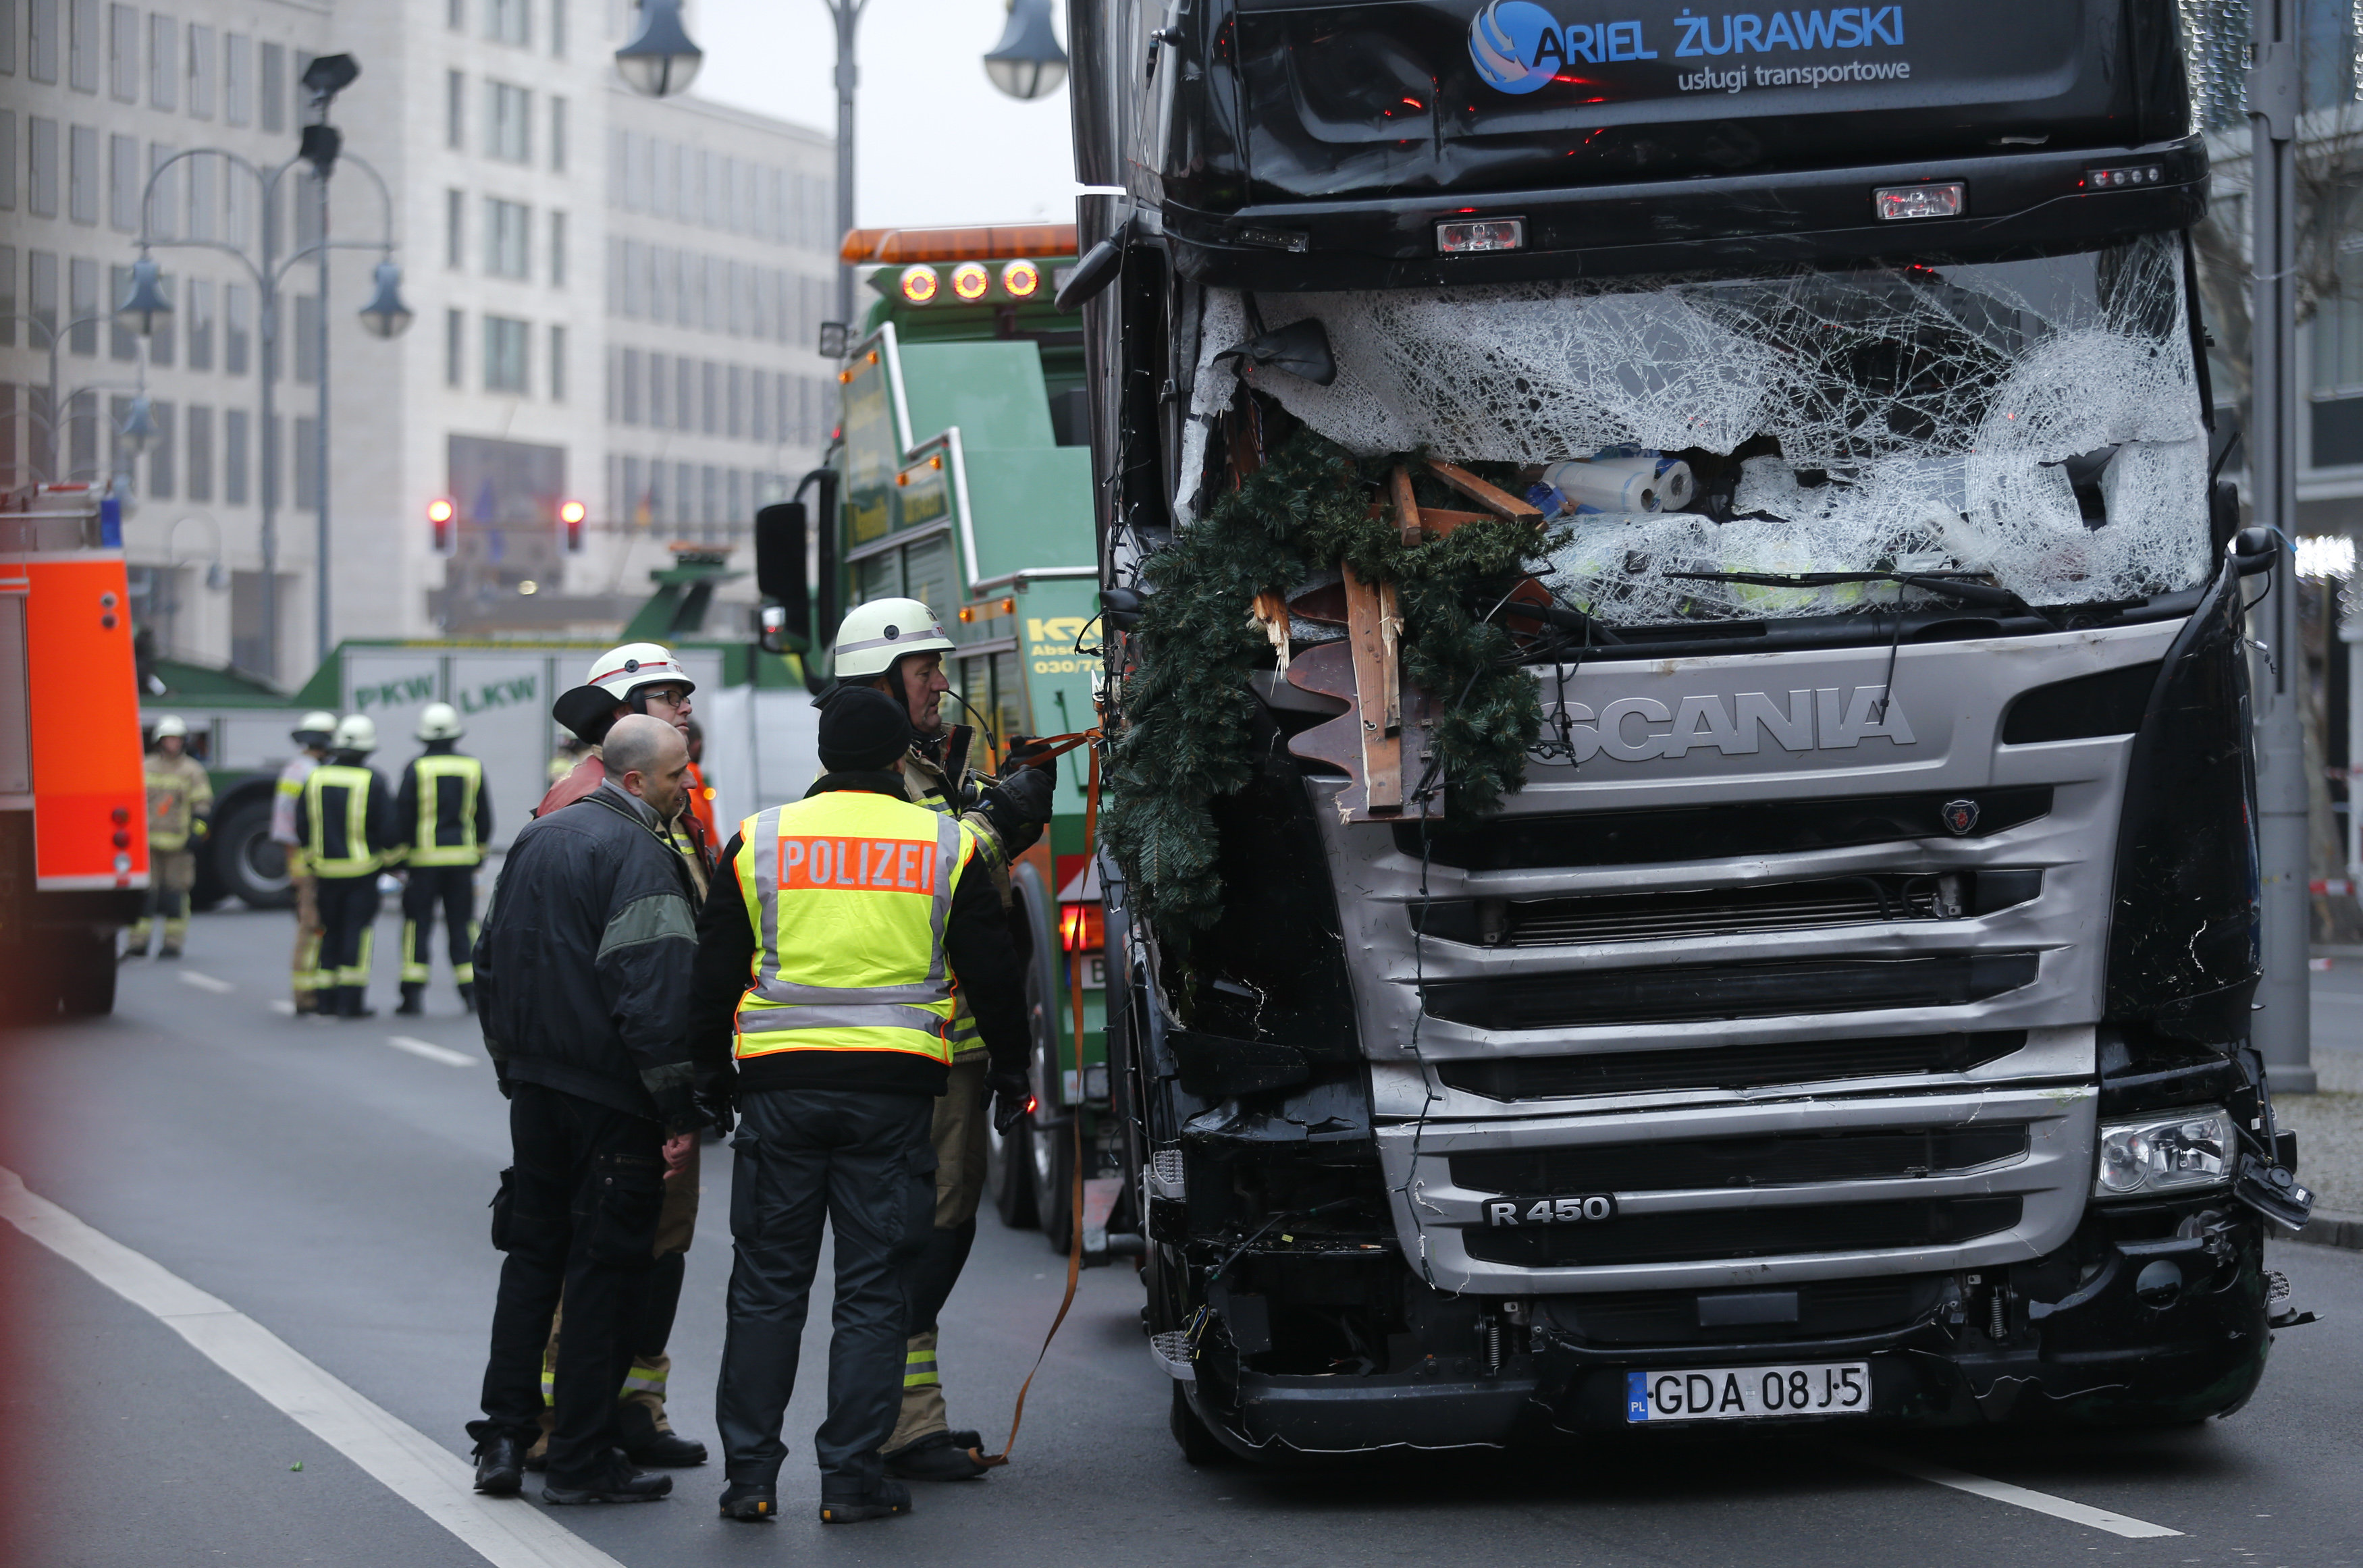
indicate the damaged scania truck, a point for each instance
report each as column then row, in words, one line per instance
column 1677, row 818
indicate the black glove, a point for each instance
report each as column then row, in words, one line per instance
column 1018, row 806
column 1013, row 1097
column 677, row 1108
column 715, row 1105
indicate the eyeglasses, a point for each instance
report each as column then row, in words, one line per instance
column 670, row 696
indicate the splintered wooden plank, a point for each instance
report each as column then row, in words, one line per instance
column 1270, row 613
column 1435, row 523
column 1500, row 502
column 1404, row 504
column 1390, row 655
column 1366, row 617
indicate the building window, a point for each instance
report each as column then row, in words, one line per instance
column 162, row 217
column 455, row 347
column 506, row 238
column 122, row 343
column 505, row 354
column 558, row 29
column 41, row 167
column 455, row 110
column 684, row 393
column 201, row 325
column 82, row 175
column 122, row 52
column 161, row 477
column 41, row 39
column 557, row 250
column 455, row 230
column 307, row 338
column 630, row 396
column 508, row 22
column 238, row 327
column 237, row 79
column 81, row 306
column 163, row 63
column 274, row 87
column 557, row 136
column 509, row 123
column 710, row 375
column 558, row 364
column 659, row 392
column 455, row 15
column 124, row 182
column 307, row 464
column 759, row 410
column 201, row 68
column 734, row 425
column 201, row 452
column 237, row 426
column 83, row 45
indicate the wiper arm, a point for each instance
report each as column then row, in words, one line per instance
column 1953, row 585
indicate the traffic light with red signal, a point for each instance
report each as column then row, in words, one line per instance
column 443, row 517
column 570, row 515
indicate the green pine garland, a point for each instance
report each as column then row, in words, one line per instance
column 1189, row 711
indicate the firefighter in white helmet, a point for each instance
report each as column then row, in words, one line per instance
column 445, row 818
column 897, row 646
column 638, row 678
column 311, row 737
column 180, row 803
column 345, row 816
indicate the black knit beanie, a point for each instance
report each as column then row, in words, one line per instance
column 863, row 729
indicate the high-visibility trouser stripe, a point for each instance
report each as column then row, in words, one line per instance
column 645, row 1379
column 465, row 974
column 358, row 972
column 919, row 1369
column 414, row 971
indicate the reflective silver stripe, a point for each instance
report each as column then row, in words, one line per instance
column 788, row 993
column 767, row 985
column 793, row 1019
column 844, row 648
column 766, row 845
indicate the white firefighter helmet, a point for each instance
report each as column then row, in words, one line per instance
column 319, row 728
column 873, row 635
column 621, row 672
column 172, row 727
column 439, row 722
column 358, row 731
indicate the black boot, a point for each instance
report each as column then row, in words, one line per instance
column 500, row 1466
column 933, row 1458
column 645, row 1445
column 414, row 1000
column 615, row 1481
column 750, row 1500
column 353, row 1001
column 884, row 1501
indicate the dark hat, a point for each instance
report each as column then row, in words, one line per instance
column 862, row 728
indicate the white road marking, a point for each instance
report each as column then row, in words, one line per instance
column 207, row 983
column 2019, row 1496
column 283, row 1007
column 432, row 1052
column 505, row 1531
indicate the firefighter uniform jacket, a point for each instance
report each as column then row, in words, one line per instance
column 345, row 819
column 178, row 793
column 443, row 811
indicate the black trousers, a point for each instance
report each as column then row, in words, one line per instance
column 863, row 1164
column 422, row 889
column 348, row 913
column 581, row 1220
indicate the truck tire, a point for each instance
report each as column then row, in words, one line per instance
column 86, row 971
column 1050, row 1145
column 1006, row 1176
column 249, row 863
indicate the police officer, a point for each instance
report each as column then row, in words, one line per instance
column 311, row 738
column 856, row 914
column 446, row 816
column 897, row 646
column 345, row 816
column 180, row 804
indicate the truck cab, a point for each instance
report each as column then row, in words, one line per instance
column 1797, row 966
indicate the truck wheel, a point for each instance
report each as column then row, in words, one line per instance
column 251, row 865
column 1198, row 1445
column 1006, row 1176
column 1049, row 1151
column 86, row 976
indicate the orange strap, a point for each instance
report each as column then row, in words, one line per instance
column 1075, row 1212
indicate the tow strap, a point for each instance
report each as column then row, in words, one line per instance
column 1055, row 746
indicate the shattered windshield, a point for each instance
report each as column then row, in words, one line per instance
column 2034, row 422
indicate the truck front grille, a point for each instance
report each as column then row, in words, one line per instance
column 1726, row 911
column 1826, row 1308
column 1698, row 992
column 1704, row 1234
column 1728, row 1066
column 1714, row 832
column 1885, row 1153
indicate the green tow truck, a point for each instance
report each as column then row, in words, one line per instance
column 961, row 477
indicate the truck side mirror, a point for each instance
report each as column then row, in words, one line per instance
column 2252, row 550
column 2223, row 513
column 779, row 565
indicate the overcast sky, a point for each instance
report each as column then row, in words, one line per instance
column 937, row 143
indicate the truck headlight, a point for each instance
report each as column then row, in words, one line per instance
column 2182, row 1152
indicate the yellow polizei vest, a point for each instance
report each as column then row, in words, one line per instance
column 431, row 768
column 849, row 892
column 351, row 787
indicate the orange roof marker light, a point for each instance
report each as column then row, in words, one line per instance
column 990, row 242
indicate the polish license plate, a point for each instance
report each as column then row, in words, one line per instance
column 1739, row 1393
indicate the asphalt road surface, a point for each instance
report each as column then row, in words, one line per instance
column 328, row 1181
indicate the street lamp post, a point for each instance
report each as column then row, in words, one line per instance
column 54, row 419
column 269, row 269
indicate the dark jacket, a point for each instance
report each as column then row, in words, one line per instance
column 447, row 827
column 582, row 969
column 590, row 773
column 382, row 832
column 983, row 961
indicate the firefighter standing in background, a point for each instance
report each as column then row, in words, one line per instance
column 897, row 646
column 311, row 738
column 346, row 819
column 180, row 801
column 446, row 816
